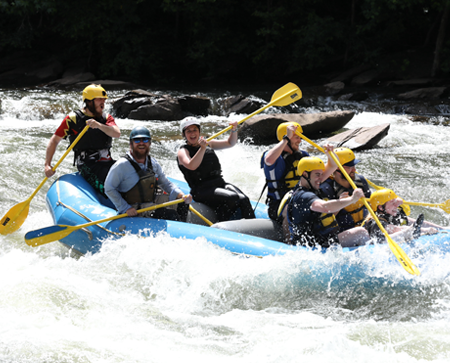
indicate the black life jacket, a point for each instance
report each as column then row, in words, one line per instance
column 144, row 190
column 401, row 219
column 209, row 169
column 93, row 140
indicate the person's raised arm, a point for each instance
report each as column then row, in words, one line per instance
column 273, row 154
column 331, row 166
column 230, row 142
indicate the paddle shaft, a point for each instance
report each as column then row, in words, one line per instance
column 197, row 213
column 162, row 205
column 243, row 120
column 440, row 205
column 69, row 149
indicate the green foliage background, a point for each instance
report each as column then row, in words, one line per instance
column 189, row 40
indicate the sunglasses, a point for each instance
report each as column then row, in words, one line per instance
column 145, row 140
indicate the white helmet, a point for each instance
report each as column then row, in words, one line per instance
column 188, row 121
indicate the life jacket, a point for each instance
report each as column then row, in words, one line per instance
column 144, row 190
column 92, row 141
column 208, row 170
column 322, row 225
column 398, row 220
column 401, row 219
column 357, row 210
column 280, row 181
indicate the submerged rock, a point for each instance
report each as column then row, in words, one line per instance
column 262, row 129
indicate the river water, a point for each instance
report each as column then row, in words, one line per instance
column 164, row 300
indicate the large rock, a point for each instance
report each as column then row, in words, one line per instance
column 361, row 138
column 163, row 109
column 262, row 129
column 240, row 104
column 196, row 105
column 430, row 92
column 142, row 105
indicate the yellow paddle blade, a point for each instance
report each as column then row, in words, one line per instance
column 54, row 233
column 198, row 214
column 445, row 206
column 14, row 218
column 286, row 95
column 48, row 234
column 402, row 257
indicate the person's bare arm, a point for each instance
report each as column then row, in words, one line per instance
column 111, row 131
column 335, row 205
column 194, row 162
column 51, row 148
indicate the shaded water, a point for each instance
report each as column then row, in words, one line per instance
column 162, row 299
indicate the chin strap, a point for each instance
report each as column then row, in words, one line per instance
column 308, row 180
column 290, row 147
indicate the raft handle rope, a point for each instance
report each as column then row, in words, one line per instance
column 89, row 233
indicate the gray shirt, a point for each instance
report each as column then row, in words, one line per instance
column 122, row 177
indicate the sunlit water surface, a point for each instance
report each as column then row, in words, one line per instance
column 164, row 300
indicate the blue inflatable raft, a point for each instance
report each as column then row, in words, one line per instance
column 73, row 202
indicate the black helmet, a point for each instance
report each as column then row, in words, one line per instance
column 139, row 131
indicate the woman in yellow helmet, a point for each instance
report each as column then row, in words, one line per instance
column 92, row 152
column 386, row 205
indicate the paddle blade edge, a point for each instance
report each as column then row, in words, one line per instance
column 46, row 235
column 14, row 219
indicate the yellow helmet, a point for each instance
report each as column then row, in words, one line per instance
column 94, row 91
column 380, row 197
column 282, row 129
column 346, row 156
column 308, row 164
